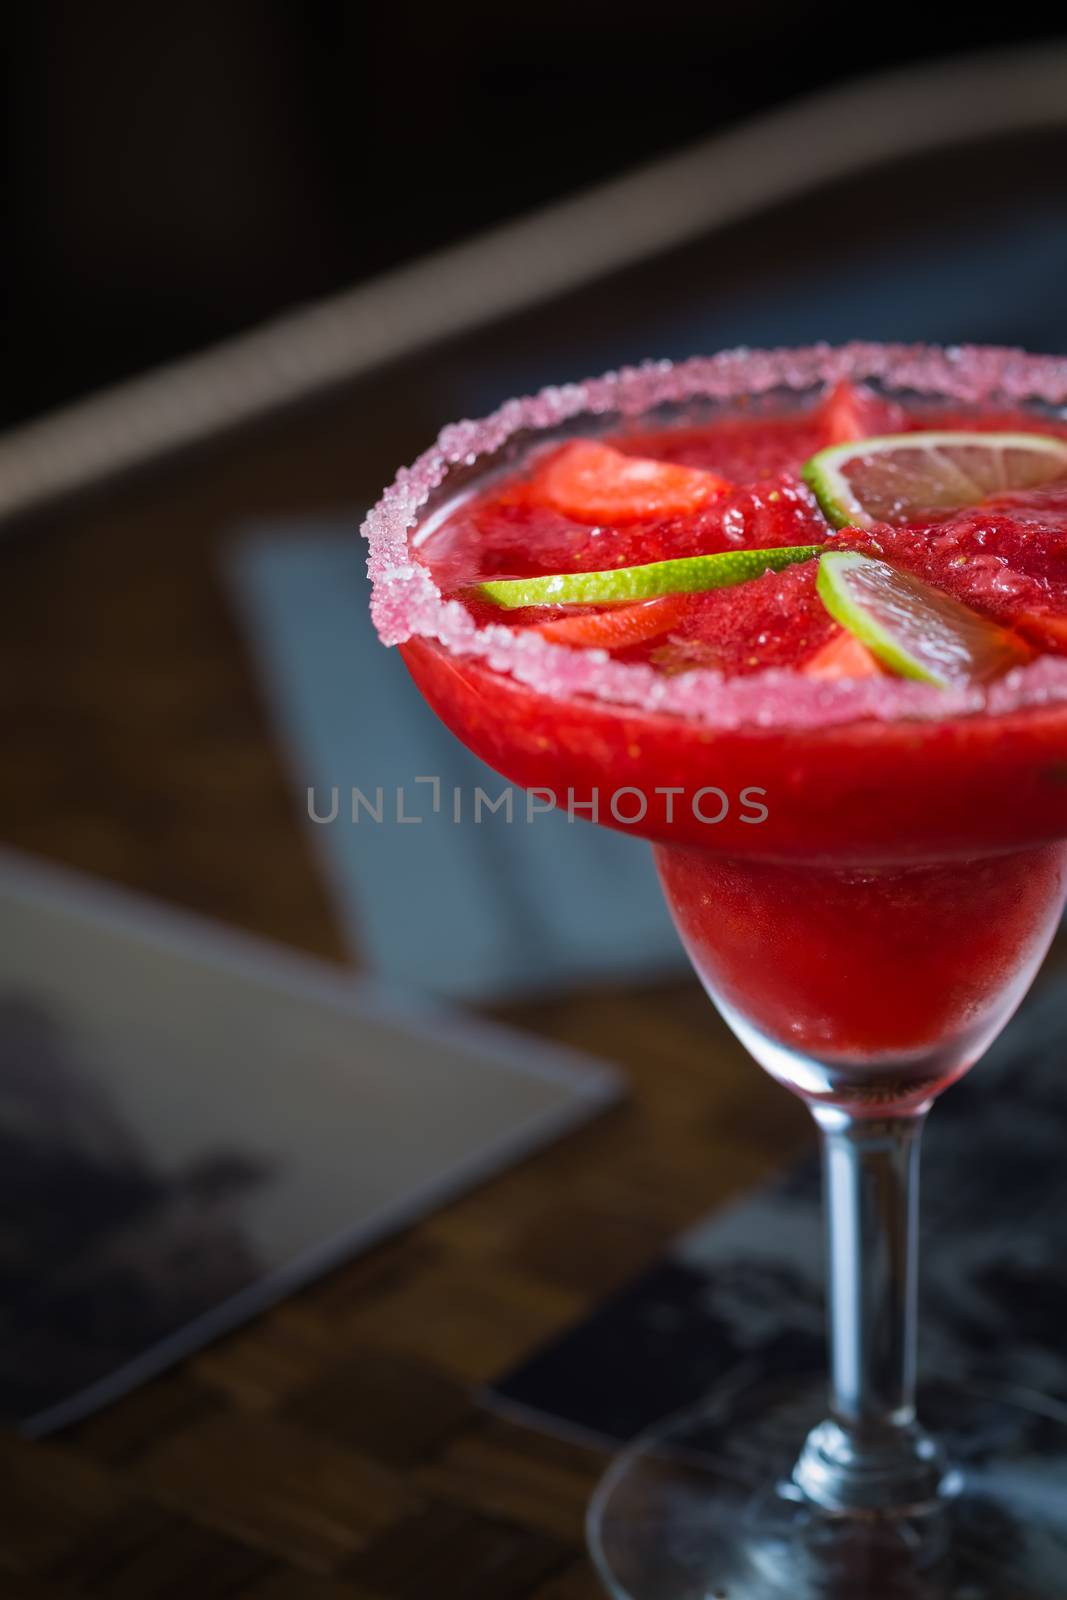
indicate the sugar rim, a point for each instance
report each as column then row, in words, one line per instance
column 407, row 604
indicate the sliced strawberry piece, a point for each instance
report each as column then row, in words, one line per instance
column 594, row 482
column 620, row 627
column 1048, row 631
column 842, row 656
column 515, row 538
column 854, row 411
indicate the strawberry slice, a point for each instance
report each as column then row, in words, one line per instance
column 594, row 482
column 620, row 627
column 853, row 411
column 1048, row 630
column 842, row 656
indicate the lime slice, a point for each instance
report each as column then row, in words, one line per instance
column 913, row 629
column 684, row 576
column 903, row 477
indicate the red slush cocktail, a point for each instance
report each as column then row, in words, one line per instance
column 800, row 619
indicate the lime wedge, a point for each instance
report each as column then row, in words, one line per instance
column 903, row 477
column 913, row 629
column 683, row 576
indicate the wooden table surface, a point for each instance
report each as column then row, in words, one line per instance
column 331, row 1450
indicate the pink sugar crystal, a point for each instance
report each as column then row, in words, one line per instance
column 406, row 603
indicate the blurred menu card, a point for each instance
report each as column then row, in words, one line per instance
column 193, row 1123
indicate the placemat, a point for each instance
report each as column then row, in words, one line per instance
column 746, row 1285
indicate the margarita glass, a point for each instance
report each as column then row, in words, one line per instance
column 866, row 872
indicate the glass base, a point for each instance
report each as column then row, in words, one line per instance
column 704, row 1507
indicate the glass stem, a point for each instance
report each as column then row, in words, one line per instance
column 871, row 1453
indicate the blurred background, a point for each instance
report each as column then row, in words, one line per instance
column 174, row 179
column 254, row 258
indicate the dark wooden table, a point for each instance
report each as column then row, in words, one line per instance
column 331, row 1450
